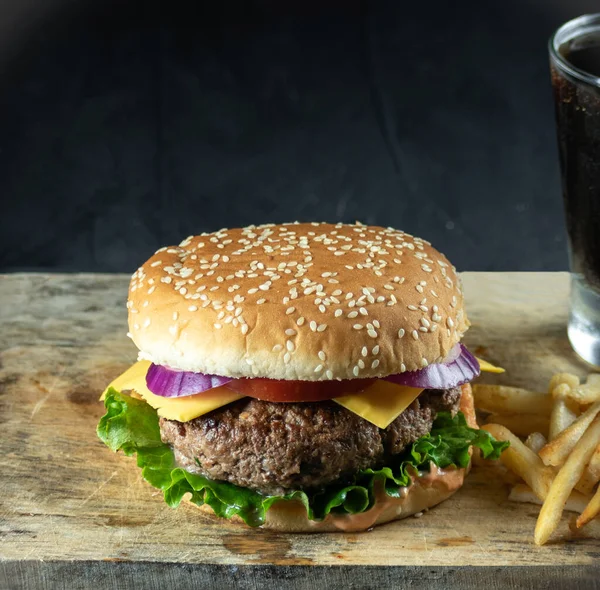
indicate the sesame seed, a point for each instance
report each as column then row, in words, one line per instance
column 372, row 333
column 415, row 334
column 193, row 308
column 376, row 323
column 151, row 290
column 290, row 310
column 450, row 323
column 322, row 328
column 318, row 368
column 300, row 321
column 412, row 307
column 146, row 323
column 290, row 345
column 364, row 351
column 322, row 355
column 356, row 370
column 424, row 362
column 322, row 308
column 287, row 357
column 358, row 326
column 352, row 314
column 375, row 364
column 313, row 326
column 376, row 349
column 425, row 322
column 260, row 301
column 277, row 348
column 338, row 313
column 290, row 332
column 329, row 374
column 423, row 329
column 363, row 311
column 361, row 364
column 244, row 329
column 217, row 326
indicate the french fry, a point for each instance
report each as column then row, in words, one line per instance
column 556, row 451
column 535, row 441
column 523, row 493
column 571, row 381
column 523, row 461
column 521, row 424
column 564, row 482
column 561, row 418
column 564, row 409
column 588, row 392
column 501, row 399
column 591, row 474
column 591, row 510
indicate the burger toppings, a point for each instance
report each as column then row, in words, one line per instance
column 132, row 426
column 459, row 367
column 273, row 390
column 169, row 383
column 378, row 401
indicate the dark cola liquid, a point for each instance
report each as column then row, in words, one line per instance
column 578, row 121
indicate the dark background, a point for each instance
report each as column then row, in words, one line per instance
column 125, row 126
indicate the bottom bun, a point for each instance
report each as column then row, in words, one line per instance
column 426, row 491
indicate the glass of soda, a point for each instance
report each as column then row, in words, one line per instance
column 575, row 69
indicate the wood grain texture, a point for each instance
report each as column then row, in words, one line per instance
column 64, row 496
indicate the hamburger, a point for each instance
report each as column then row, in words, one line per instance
column 300, row 377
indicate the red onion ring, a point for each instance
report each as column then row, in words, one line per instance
column 459, row 367
column 170, row 383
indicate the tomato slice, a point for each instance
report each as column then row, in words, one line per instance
column 272, row 390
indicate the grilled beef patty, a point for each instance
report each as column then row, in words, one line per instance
column 277, row 447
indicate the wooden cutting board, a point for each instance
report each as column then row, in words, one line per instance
column 74, row 514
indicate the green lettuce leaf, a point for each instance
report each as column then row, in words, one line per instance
column 131, row 425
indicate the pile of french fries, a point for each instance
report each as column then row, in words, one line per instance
column 554, row 447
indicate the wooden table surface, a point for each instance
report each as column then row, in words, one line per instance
column 73, row 514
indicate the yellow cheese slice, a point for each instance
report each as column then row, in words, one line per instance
column 182, row 409
column 134, row 375
column 381, row 403
column 488, row 367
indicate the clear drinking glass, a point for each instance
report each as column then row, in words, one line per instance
column 575, row 67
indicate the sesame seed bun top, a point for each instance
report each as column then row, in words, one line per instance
column 306, row 301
